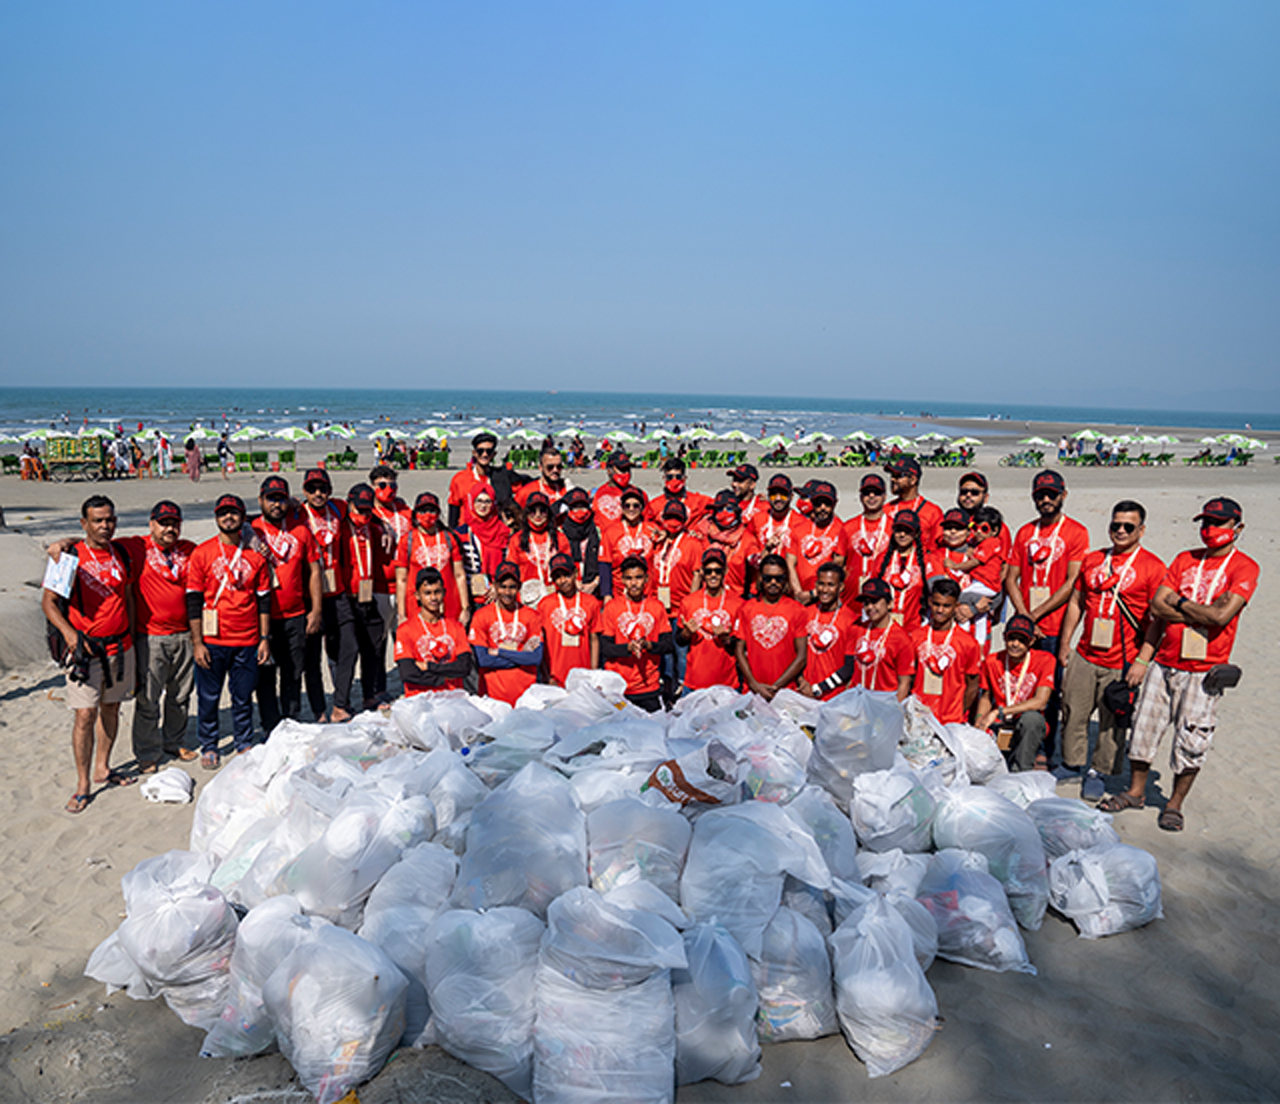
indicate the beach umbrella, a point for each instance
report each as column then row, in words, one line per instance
column 434, row 432
column 737, row 435
column 6, row 439
column 1254, row 443
column 700, row 433
column 933, row 435
column 858, row 435
column 293, row 433
column 1036, row 441
column 575, row 431
column 89, row 431
column 623, row 435
column 969, row 442
column 1167, row 439
column 776, row 440
column 37, row 435
column 1236, row 439
column 816, row 435
column 525, row 434
column 248, row 433
column 1208, row 440
column 1147, row 439
column 658, row 434
column 198, row 434
column 897, row 441
column 1086, row 435
column 345, row 432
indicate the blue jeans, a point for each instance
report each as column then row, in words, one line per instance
column 238, row 666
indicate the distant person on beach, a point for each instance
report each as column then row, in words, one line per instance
column 225, row 456
column 191, row 460
column 96, row 622
column 1187, row 654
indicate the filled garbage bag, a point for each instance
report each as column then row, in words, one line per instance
column 628, row 839
column 892, row 809
column 976, row 818
column 830, row 827
column 479, row 975
column 1106, row 890
column 894, row 869
column 793, row 979
column 337, row 1005
column 968, row 905
column 857, row 732
column 526, row 844
column 715, row 1001
column 1024, row 787
column 1066, row 825
column 887, row 1009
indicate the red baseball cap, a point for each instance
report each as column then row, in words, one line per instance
column 1220, row 509
column 780, row 482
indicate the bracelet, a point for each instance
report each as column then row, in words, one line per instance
column 1182, row 601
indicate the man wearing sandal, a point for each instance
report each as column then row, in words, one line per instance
column 1187, row 652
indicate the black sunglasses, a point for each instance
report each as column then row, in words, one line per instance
column 773, row 578
column 1123, row 527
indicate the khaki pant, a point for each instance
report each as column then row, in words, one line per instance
column 1082, row 687
column 167, row 664
column 94, row 693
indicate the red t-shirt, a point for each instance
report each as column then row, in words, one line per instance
column 553, row 496
column 945, row 657
column 709, row 663
column 812, row 547
column 493, row 627
column 439, row 550
column 443, row 642
column 1042, row 553
column 624, row 620
column 607, row 504
column 752, row 506
column 866, row 542
column 695, row 504
column 1020, row 681
column 1200, row 579
column 326, row 530
column 397, row 522
column 98, row 605
column 773, row 534
column 672, row 566
column 929, row 513
column 236, row 601
column 535, row 563
column 906, row 581
column 160, row 587
column 881, row 656
column 567, row 628
column 741, row 556
column 367, row 549
column 289, row 553
column 461, row 487
column 1136, row 577
column 619, row 541
column 769, row 631
column 830, row 640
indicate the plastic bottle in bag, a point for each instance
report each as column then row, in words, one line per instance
column 715, row 1005
column 793, row 979
column 628, row 839
column 858, row 731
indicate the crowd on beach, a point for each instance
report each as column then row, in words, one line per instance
column 515, row 580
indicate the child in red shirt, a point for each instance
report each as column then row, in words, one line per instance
column 570, row 622
column 432, row 651
column 508, row 639
column 948, row 662
column 884, row 655
column 706, row 623
column 1016, row 684
column 634, row 632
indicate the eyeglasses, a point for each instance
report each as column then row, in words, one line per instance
column 632, row 504
column 1123, row 527
column 773, row 578
column 485, row 451
column 970, row 492
column 1038, row 495
column 383, row 484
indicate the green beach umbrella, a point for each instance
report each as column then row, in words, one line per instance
column 1167, row 439
column 434, row 432
column 293, row 433
column 700, row 433
column 35, row 435
column 898, row 441
column 1209, row 441
column 858, row 435
column 816, row 435
column 737, row 435
column 248, row 433
column 345, row 432
column 968, row 442
column 575, row 431
column 1086, row 435
column 524, row 434
column 933, row 435
column 1036, row 441
column 1254, row 443
column 775, row 441
column 623, row 435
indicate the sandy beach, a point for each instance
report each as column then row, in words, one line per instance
column 1181, row 1010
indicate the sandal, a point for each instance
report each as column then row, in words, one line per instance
column 210, row 760
column 78, row 803
column 1118, row 803
column 115, row 778
column 148, row 766
column 185, row 754
column 1170, row 820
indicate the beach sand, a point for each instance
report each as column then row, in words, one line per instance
column 1181, row 1010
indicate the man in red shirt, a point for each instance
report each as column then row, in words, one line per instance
column 829, row 662
column 675, row 489
column 432, row 651
column 705, row 627
column 97, row 626
column 884, row 656
column 1198, row 607
column 635, row 632
column 323, row 518
column 551, row 480
column 1016, row 684
column 392, row 510
column 723, row 527
column 774, row 526
column 629, row 536
column 904, row 482
column 816, row 540
column 744, row 478
column 771, row 648
column 866, row 536
column 479, row 470
column 229, row 611
column 429, row 544
column 296, row 603
column 948, row 662
column 570, row 622
column 367, row 550
column 1112, row 601
column 508, row 639
column 608, row 497
column 972, row 494
column 677, row 555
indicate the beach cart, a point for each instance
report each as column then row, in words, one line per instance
column 70, row 458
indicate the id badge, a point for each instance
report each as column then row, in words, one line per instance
column 209, row 622
column 896, row 618
column 479, row 585
column 570, row 640
column 664, row 596
column 330, row 580
column 1039, row 596
column 1195, row 642
column 1104, row 630
column 364, row 592
column 932, row 682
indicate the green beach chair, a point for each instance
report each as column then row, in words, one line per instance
column 12, row 465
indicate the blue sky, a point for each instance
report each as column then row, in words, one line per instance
column 983, row 201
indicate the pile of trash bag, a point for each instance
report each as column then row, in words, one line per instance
column 591, row 902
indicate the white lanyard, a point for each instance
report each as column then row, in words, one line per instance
column 564, row 609
column 772, row 530
column 667, row 560
column 541, row 557
column 169, row 559
column 878, row 645
column 1126, row 573
column 117, row 568
column 502, row 625
column 426, row 558
column 946, row 641
column 1013, row 692
column 881, row 525
column 442, row 635
column 1040, row 572
column 1213, row 583
column 365, row 567
column 279, row 552
column 327, row 528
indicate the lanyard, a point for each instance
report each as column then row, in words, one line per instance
column 430, row 554
column 946, row 641
column 228, row 570
column 279, row 552
column 877, row 645
column 1013, row 692
column 772, row 529
column 398, row 522
column 1213, row 583
column 434, row 637
column 503, row 634
column 116, row 569
column 169, row 560
column 541, row 557
column 874, row 540
column 1127, row 572
column 365, row 567
column 323, row 528
column 1040, row 572
column 667, row 560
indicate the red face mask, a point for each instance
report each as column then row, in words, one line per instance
column 672, row 525
column 427, row 518
column 726, row 519
column 356, row 516
column 538, row 521
column 580, row 514
column 385, row 495
column 1217, row 536
column 674, row 484
column 804, row 507
column 622, row 478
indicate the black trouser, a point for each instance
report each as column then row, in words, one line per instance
column 338, row 641
column 368, row 632
column 1050, row 644
column 650, row 702
column 288, row 656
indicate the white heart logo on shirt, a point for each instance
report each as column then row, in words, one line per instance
column 824, row 637
column 769, row 631
column 635, row 626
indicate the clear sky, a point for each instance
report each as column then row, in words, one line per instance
column 1030, row 201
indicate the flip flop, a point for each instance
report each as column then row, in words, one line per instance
column 185, row 754
column 78, row 803
column 148, row 766
column 1118, row 803
column 1170, row 820
column 115, row 778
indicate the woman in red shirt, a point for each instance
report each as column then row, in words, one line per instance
column 904, row 569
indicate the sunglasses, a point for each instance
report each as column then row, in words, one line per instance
column 713, row 569
column 970, row 492
column 867, row 492
column 485, row 451
column 316, row 488
column 1123, row 527
column 773, row 578
column 385, row 483
column 1038, row 495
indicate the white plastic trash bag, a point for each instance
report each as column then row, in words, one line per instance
column 1066, row 825
column 479, row 975
column 526, row 845
column 171, row 786
column 976, row 818
column 1024, row 787
column 979, row 752
column 887, row 1009
column 831, row 829
column 975, row 926
column 891, row 870
column 1106, row 890
column 337, row 1006
column 629, row 839
column 858, row 731
column 892, row 809
column 593, row 1045
column 793, row 979
column 412, row 717
column 924, row 929
column 715, row 1002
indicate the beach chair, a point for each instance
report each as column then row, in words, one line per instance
column 287, row 460
column 242, row 461
column 259, row 461
column 348, row 459
column 1164, row 458
column 440, row 458
column 12, row 465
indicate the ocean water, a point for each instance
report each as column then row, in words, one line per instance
column 595, row 413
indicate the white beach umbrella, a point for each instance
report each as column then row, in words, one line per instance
column 658, row 434
column 345, row 432
column 1036, row 441
column 293, row 433
column 737, row 435
column 816, row 435
column 35, row 435
column 933, row 435
column 623, row 435
column 1168, row 439
column 700, row 433
column 434, row 432
column 248, row 433
column 575, row 431
column 968, row 442
column 858, row 435
column 1209, row 441
column 1254, row 443
column 776, row 440
column 898, row 441
column 1086, row 435
column 524, row 434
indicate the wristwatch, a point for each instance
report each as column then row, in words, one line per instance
column 1182, row 601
